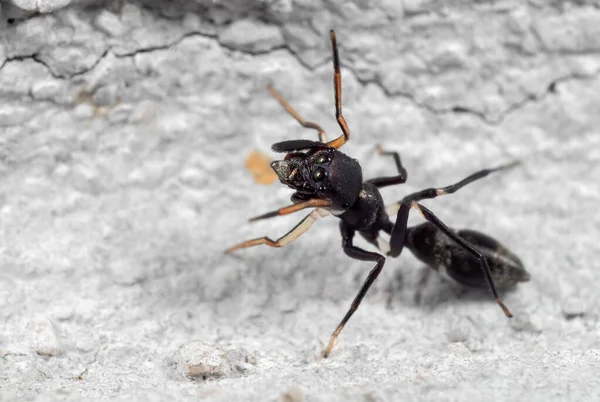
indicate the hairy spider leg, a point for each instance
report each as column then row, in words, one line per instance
column 303, row 226
column 295, row 115
column 337, row 86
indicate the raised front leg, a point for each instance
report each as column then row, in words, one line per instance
column 337, row 86
column 295, row 115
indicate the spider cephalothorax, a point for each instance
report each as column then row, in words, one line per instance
column 319, row 171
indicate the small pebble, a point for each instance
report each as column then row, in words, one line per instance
column 459, row 352
column 199, row 358
column 46, row 340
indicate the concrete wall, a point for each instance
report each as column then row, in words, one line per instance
column 124, row 130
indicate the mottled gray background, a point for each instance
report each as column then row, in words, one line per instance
column 124, row 127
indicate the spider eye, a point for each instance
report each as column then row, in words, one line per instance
column 321, row 159
column 319, row 174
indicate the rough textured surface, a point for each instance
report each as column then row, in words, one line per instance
column 124, row 129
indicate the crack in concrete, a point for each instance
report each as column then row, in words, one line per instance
column 494, row 122
column 16, row 58
column 483, row 117
column 35, row 57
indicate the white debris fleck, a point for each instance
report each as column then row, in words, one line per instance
column 45, row 337
column 459, row 353
column 198, row 358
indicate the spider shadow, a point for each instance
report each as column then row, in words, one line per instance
column 428, row 289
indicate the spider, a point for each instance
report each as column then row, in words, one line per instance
column 331, row 182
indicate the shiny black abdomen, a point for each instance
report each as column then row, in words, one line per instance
column 435, row 249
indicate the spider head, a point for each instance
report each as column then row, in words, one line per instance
column 315, row 170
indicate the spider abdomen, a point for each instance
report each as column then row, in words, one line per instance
column 437, row 250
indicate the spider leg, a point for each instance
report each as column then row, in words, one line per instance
column 362, row 255
column 429, row 216
column 303, row 226
column 312, row 203
column 295, row 115
column 389, row 181
column 436, row 192
column 337, row 86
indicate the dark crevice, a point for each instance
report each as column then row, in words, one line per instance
column 203, row 35
column 531, row 98
column 16, row 58
column 457, row 109
column 149, row 49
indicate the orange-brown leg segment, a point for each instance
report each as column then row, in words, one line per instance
column 295, row 115
column 337, row 86
column 312, row 203
column 304, row 225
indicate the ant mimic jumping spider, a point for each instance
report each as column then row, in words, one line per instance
column 331, row 182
